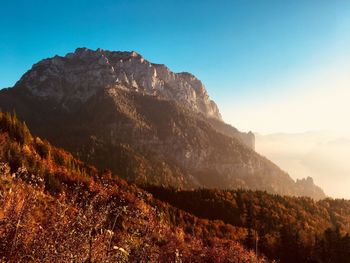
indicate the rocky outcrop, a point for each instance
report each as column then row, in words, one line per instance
column 247, row 138
column 79, row 75
column 307, row 186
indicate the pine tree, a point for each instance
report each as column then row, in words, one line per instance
column 249, row 225
column 14, row 117
column 26, row 133
column 8, row 123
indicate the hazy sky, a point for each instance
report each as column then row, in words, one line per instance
column 321, row 155
column 270, row 65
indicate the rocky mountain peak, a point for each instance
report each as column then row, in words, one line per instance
column 77, row 76
column 116, row 110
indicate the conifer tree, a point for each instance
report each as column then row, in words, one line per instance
column 249, row 224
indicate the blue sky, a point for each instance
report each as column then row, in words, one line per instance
column 245, row 52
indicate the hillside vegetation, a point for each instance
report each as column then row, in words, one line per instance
column 54, row 208
column 291, row 229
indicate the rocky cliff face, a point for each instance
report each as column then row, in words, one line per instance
column 73, row 79
column 80, row 75
column 142, row 121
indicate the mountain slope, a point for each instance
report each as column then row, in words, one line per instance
column 144, row 122
column 54, row 208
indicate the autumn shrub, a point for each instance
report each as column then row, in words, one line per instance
column 52, row 184
column 58, row 157
column 42, row 148
column 14, row 157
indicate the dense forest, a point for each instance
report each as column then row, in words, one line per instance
column 291, row 229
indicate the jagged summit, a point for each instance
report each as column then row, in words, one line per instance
column 78, row 76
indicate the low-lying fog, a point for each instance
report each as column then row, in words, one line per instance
column 324, row 156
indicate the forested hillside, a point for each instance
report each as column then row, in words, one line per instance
column 292, row 229
column 54, row 208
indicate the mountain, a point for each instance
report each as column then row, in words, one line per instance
column 147, row 124
column 55, row 208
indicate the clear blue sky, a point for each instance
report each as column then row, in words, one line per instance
column 237, row 48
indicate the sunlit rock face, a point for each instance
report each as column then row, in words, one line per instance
column 79, row 75
column 73, row 79
column 147, row 124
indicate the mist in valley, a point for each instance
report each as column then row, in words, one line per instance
column 323, row 155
